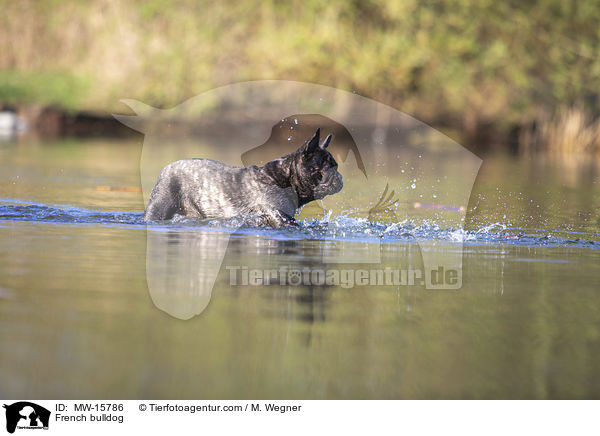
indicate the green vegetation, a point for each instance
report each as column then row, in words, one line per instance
column 469, row 65
column 43, row 88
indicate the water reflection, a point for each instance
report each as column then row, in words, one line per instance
column 181, row 269
column 524, row 324
column 76, row 320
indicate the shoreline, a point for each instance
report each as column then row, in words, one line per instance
column 532, row 138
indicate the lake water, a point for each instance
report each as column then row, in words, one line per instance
column 77, row 319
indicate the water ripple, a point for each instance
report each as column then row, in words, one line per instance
column 341, row 227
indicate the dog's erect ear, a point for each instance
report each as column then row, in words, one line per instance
column 325, row 143
column 313, row 143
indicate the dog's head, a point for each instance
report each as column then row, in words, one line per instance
column 316, row 174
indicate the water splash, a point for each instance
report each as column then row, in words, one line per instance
column 343, row 227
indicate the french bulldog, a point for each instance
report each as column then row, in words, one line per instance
column 271, row 194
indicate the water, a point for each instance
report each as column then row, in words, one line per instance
column 77, row 320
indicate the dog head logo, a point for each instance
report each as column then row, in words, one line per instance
column 394, row 167
column 26, row 415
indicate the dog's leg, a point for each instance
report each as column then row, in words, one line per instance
column 165, row 199
column 160, row 209
column 278, row 219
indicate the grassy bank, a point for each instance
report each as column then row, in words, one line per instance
column 480, row 67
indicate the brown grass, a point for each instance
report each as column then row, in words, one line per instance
column 569, row 131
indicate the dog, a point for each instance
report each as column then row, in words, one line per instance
column 271, row 194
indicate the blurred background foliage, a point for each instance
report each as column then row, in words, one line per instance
column 470, row 65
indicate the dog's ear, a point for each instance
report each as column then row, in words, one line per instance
column 325, row 143
column 313, row 143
